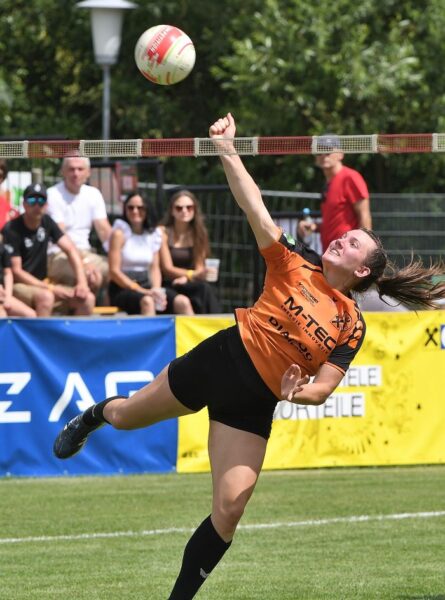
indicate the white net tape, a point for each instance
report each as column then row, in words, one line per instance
column 348, row 144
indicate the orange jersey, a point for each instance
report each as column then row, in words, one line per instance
column 299, row 318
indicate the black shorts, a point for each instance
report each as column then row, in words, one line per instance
column 219, row 374
column 130, row 300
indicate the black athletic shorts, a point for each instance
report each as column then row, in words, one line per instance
column 219, row 374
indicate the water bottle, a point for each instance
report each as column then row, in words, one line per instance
column 309, row 237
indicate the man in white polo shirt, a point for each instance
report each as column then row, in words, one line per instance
column 77, row 208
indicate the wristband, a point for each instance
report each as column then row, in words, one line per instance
column 190, row 274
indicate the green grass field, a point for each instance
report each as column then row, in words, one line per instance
column 122, row 538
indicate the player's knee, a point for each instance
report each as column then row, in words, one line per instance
column 230, row 511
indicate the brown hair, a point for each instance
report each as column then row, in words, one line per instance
column 201, row 246
column 411, row 285
column 3, row 169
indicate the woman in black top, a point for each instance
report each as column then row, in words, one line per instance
column 185, row 246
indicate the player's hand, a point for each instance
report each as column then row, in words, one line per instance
column 292, row 382
column 223, row 127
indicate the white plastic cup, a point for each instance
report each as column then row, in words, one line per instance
column 160, row 297
column 212, row 266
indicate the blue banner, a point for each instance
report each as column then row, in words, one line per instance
column 51, row 369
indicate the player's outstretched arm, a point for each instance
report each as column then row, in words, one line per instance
column 243, row 187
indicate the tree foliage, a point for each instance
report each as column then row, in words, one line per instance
column 283, row 67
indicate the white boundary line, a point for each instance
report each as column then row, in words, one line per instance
column 253, row 526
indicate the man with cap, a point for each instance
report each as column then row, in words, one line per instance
column 26, row 239
column 345, row 199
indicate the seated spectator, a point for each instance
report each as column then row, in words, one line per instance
column 26, row 239
column 185, row 246
column 6, row 212
column 10, row 306
column 76, row 208
column 133, row 257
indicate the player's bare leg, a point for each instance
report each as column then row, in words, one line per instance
column 152, row 403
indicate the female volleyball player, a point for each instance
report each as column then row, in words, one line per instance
column 304, row 324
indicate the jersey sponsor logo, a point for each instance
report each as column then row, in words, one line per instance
column 297, row 344
column 28, row 242
column 306, row 294
column 342, row 322
column 310, row 325
column 356, row 335
column 40, row 234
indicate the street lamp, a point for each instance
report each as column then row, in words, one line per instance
column 106, row 25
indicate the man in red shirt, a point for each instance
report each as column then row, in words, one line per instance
column 345, row 200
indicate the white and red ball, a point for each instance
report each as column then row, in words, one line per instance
column 164, row 54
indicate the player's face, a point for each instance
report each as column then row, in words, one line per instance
column 348, row 253
column 75, row 173
column 183, row 209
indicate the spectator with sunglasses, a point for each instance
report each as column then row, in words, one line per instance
column 26, row 240
column 134, row 269
column 185, row 246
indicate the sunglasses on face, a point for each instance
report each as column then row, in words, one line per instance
column 133, row 207
column 187, row 207
column 32, row 201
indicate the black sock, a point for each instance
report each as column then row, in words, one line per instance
column 202, row 553
column 94, row 415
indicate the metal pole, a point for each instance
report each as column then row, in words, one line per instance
column 106, row 102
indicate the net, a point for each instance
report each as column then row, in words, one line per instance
column 348, row 144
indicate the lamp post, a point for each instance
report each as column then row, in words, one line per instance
column 106, row 25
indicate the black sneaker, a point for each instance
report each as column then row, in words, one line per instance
column 72, row 437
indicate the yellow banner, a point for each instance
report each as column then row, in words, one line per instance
column 388, row 410
column 194, row 429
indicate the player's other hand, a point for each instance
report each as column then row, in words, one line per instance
column 292, row 382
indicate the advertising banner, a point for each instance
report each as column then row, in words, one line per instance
column 388, row 410
column 194, row 429
column 51, row 369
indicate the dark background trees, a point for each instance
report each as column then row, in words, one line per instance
column 283, row 67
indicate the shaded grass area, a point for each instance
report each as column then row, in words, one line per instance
column 389, row 559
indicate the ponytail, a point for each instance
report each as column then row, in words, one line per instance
column 412, row 285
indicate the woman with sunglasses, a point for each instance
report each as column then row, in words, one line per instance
column 304, row 324
column 185, row 246
column 133, row 259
